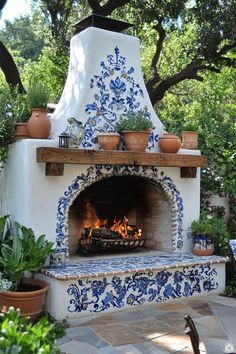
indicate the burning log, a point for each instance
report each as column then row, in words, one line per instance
column 103, row 236
column 101, row 233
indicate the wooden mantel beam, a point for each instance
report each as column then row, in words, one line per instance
column 61, row 156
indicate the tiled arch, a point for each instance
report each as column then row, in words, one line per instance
column 99, row 172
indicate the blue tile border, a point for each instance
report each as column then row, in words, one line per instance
column 99, row 172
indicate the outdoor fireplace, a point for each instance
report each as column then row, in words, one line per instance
column 145, row 191
column 120, row 213
column 79, row 197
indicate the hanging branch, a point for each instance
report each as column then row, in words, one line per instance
column 9, row 69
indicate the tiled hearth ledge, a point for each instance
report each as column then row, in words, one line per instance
column 55, row 158
column 128, row 264
column 98, row 286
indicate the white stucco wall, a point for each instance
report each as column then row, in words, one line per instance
column 88, row 50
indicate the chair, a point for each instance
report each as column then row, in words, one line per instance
column 191, row 330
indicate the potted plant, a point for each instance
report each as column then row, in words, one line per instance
column 202, row 237
column 189, row 136
column 20, row 114
column 169, row 143
column 108, row 140
column 209, row 234
column 22, row 254
column 39, row 124
column 136, row 128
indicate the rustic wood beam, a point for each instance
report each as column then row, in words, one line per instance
column 54, row 169
column 188, row 172
column 55, row 157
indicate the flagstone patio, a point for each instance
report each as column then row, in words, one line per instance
column 155, row 329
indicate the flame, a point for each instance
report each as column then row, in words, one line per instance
column 121, row 226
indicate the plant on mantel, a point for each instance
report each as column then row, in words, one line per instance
column 21, row 253
column 39, row 125
column 189, row 135
column 136, row 127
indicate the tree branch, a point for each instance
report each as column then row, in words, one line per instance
column 9, row 69
column 155, row 78
column 108, row 7
column 226, row 48
column 189, row 72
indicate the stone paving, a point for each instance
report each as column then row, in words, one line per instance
column 156, row 329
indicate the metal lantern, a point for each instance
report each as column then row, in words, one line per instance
column 64, row 140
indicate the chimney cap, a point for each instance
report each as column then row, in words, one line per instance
column 103, row 22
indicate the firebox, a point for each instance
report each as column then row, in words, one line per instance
column 122, row 212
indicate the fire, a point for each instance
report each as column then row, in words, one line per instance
column 120, row 226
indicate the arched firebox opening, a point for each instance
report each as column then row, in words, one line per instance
column 132, row 203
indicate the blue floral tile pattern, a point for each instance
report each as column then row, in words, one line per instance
column 97, row 295
column 121, row 265
column 115, row 92
column 98, row 172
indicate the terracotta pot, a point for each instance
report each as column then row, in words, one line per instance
column 108, row 141
column 136, row 140
column 21, row 131
column 189, row 140
column 31, row 303
column 39, row 125
column 203, row 252
column 169, row 143
column 202, row 245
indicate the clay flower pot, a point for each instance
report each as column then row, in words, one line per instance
column 136, row 140
column 169, row 143
column 30, row 301
column 108, row 141
column 189, row 140
column 39, row 125
column 202, row 246
column 21, row 131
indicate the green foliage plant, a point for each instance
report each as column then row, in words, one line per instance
column 135, row 121
column 37, row 94
column 20, row 251
column 189, row 127
column 13, row 109
column 20, row 337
